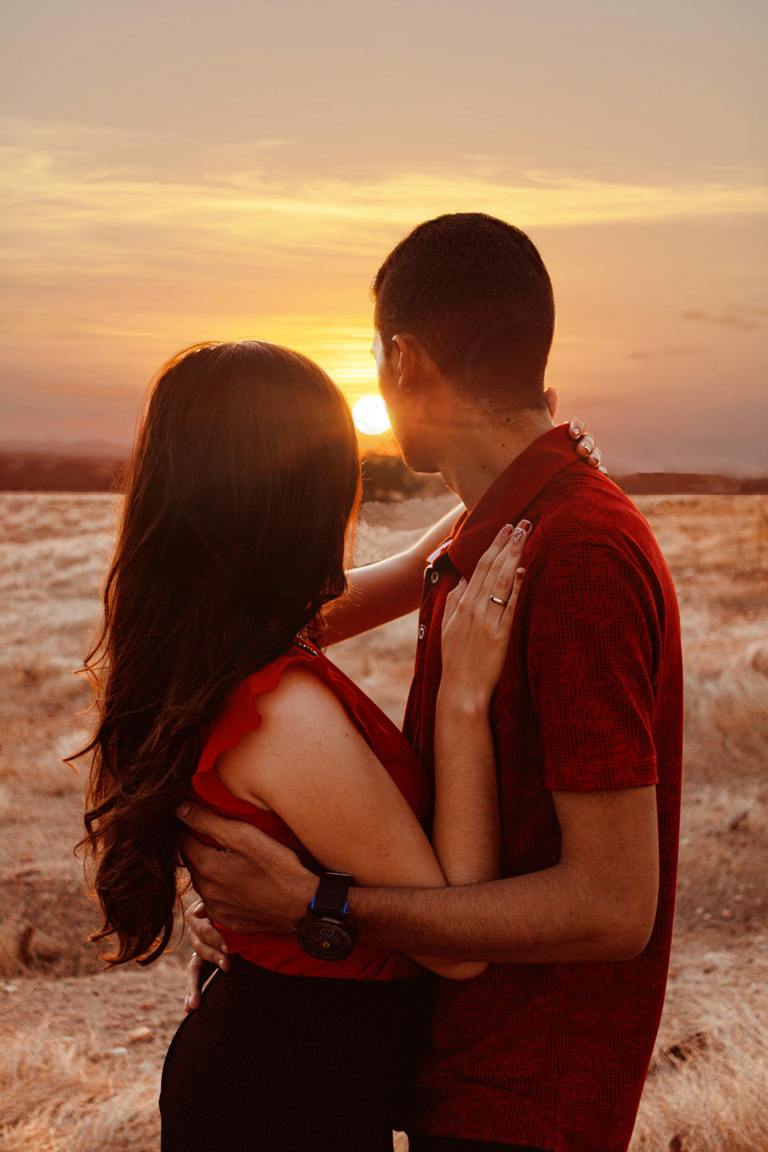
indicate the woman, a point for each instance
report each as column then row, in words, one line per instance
column 242, row 488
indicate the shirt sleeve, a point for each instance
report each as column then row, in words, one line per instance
column 593, row 640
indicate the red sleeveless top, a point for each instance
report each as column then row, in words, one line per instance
column 281, row 953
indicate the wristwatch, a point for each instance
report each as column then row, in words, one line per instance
column 325, row 932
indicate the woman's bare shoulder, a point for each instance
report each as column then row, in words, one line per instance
column 304, row 728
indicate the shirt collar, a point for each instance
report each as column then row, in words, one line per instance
column 508, row 497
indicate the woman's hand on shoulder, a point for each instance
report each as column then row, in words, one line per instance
column 586, row 445
column 478, row 621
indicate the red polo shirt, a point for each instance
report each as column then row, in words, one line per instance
column 555, row 1055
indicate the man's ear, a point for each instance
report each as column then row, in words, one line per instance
column 551, row 399
column 406, row 363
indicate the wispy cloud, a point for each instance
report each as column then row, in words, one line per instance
column 66, row 194
column 667, row 352
column 119, row 247
column 740, row 317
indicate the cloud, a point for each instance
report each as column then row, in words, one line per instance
column 121, row 247
column 667, row 352
column 104, row 200
column 740, row 317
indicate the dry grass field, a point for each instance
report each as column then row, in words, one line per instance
column 80, row 1050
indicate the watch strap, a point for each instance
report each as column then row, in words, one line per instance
column 331, row 896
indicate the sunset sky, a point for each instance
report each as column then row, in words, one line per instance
column 173, row 172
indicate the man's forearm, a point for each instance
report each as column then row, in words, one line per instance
column 539, row 918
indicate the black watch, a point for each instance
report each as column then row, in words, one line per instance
column 325, row 932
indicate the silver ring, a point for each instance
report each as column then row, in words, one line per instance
column 499, row 601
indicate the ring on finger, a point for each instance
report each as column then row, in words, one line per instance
column 499, row 601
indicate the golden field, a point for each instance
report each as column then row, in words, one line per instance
column 80, row 1050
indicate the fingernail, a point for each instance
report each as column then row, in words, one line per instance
column 224, row 948
column 525, row 525
column 520, row 573
column 184, row 809
column 507, row 530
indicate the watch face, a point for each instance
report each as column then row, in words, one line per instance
column 324, row 939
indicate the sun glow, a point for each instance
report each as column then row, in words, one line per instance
column 370, row 416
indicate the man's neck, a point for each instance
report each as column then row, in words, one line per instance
column 477, row 453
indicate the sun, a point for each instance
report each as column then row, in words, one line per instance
column 370, row 416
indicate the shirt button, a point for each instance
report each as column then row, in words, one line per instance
column 422, row 631
column 434, row 576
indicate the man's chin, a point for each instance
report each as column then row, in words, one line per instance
column 418, row 461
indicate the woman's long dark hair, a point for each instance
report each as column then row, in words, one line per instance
column 243, row 480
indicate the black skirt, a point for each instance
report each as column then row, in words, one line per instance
column 274, row 1063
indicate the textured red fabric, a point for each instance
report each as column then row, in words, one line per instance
column 281, row 953
column 555, row 1055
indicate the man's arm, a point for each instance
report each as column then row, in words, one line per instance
column 597, row 903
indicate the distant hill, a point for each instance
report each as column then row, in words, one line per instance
column 693, row 483
column 35, row 471
column 100, row 468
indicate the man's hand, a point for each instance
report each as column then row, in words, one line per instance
column 249, row 883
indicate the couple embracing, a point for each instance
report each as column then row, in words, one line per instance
column 461, row 930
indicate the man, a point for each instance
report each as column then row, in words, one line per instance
column 549, row 1048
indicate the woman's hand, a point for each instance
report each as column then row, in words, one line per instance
column 478, row 621
column 585, row 445
column 208, row 946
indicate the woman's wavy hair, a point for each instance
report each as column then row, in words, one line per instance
column 243, row 480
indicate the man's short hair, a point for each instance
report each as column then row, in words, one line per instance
column 475, row 292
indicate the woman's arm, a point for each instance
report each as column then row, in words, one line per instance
column 325, row 767
column 322, row 778
column 392, row 588
column 474, row 645
column 385, row 590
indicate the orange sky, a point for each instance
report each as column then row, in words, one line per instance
column 173, row 173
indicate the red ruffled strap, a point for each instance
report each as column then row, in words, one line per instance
column 239, row 718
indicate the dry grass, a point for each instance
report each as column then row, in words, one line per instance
column 61, row 1096
column 707, row 1091
column 59, row 1021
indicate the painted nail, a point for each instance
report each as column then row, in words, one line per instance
column 507, row 530
column 525, row 525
